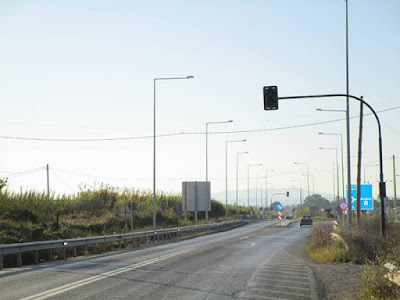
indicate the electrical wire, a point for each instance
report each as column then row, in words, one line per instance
column 183, row 133
column 22, row 173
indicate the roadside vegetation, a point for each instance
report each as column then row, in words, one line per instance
column 32, row 216
column 363, row 245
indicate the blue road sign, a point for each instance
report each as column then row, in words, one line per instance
column 367, row 202
column 279, row 206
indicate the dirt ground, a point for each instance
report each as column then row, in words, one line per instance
column 338, row 281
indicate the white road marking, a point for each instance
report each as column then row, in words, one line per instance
column 74, row 285
column 245, row 237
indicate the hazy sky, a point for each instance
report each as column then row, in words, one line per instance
column 85, row 69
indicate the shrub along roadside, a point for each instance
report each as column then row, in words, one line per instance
column 33, row 216
column 363, row 245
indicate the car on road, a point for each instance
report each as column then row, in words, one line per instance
column 289, row 217
column 306, row 220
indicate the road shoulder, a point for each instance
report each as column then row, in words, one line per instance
column 333, row 281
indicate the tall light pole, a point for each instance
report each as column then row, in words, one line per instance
column 348, row 192
column 237, row 180
column 337, row 169
column 313, row 182
column 154, row 143
column 348, row 120
column 226, row 173
column 341, row 147
column 365, row 167
column 248, row 183
column 308, row 176
column 300, row 200
column 266, row 186
column 209, row 123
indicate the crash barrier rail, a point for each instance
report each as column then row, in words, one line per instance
column 122, row 239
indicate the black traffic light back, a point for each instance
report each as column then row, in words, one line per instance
column 270, row 97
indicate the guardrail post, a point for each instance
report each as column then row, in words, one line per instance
column 50, row 255
column 103, row 247
column 36, row 257
column 74, row 251
column 62, row 253
column 119, row 244
column 1, row 262
column 85, row 250
column 19, row 260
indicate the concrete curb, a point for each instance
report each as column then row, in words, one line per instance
column 286, row 223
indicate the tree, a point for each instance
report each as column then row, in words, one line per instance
column 316, row 200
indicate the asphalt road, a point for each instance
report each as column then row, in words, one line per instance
column 257, row 261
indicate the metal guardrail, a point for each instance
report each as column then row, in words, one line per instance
column 152, row 235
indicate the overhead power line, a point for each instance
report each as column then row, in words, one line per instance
column 182, row 133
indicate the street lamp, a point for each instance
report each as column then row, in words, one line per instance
column 226, row 173
column 208, row 123
column 313, row 182
column 248, row 183
column 301, row 202
column 154, row 142
column 337, row 168
column 308, row 176
column 341, row 146
column 266, row 186
column 347, row 112
column 365, row 166
column 237, row 181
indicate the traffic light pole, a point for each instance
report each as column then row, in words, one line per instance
column 382, row 184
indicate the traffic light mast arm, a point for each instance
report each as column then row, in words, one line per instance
column 382, row 186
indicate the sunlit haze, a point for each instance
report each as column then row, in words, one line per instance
column 73, row 70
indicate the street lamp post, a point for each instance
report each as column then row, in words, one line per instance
column 308, row 177
column 313, row 182
column 337, row 169
column 266, row 186
column 237, row 180
column 208, row 123
column 154, row 143
column 365, row 167
column 226, row 173
column 341, row 146
column 248, row 183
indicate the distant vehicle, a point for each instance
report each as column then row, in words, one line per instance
column 306, row 220
column 289, row 217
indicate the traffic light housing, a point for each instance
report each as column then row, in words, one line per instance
column 270, row 97
column 287, row 194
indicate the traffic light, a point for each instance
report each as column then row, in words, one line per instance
column 270, row 97
column 287, row 194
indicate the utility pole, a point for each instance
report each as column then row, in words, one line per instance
column 48, row 181
column 394, row 190
column 358, row 204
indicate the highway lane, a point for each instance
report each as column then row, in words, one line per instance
column 257, row 261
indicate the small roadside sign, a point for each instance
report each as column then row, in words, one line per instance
column 346, row 211
column 279, row 206
column 343, row 206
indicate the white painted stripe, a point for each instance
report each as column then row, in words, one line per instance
column 74, row 285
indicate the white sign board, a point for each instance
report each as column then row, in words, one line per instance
column 196, row 196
